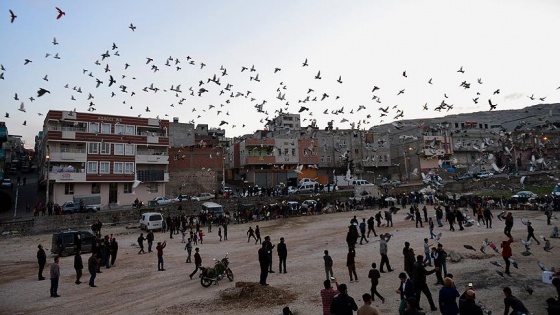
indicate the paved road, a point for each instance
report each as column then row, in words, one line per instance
column 23, row 195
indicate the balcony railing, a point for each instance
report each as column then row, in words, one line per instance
column 151, row 159
column 260, row 159
column 69, row 155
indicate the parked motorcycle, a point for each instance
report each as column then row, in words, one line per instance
column 214, row 274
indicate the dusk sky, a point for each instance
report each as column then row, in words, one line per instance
column 509, row 45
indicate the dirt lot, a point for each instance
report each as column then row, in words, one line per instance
column 134, row 286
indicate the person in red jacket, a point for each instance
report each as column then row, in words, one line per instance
column 506, row 252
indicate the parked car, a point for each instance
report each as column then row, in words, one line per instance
column 525, row 194
column 293, row 190
column 162, row 200
column 151, row 221
column 359, row 182
column 305, row 205
column 484, row 174
column 7, row 183
column 466, row 176
column 180, row 198
column 12, row 171
column 203, row 197
column 391, row 182
column 293, row 206
column 70, row 207
column 63, row 242
column 330, row 188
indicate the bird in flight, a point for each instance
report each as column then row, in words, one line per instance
column 27, row 61
column 305, row 63
column 42, row 92
column 12, row 16
column 339, row 79
column 461, row 70
column 404, row 74
column 132, row 27
column 318, row 76
column 54, row 41
column 60, row 13
column 492, row 106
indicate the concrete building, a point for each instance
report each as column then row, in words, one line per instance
column 86, row 154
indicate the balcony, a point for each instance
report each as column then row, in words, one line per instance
column 67, row 176
column 69, row 155
column 152, row 139
column 151, row 159
column 269, row 159
column 259, row 142
column 152, row 176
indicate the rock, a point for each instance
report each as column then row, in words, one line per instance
column 454, row 256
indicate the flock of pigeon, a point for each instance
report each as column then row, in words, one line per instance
column 112, row 77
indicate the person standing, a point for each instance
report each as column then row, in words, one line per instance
column 425, row 211
column 141, row 243
column 269, row 248
column 383, row 239
column 438, row 265
column 327, row 295
column 150, row 239
column 405, row 290
column 431, row 227
column 439, row 216
column 509, row 224
column 374, row 275
column 531, row 233
column 450, row 216
column 351, row 264
column 78, row 266
column 251, row 233
column 418, row 217
column 55, row 275
column 371, row 226
column 197, row 262
column 328, row 265
column 510, row 301
column 263, row 262
column 507, row 253
column 42, row 260
column 363, row 226
column 352, row 236
column 188, row 248
column 114, row 250
column 220, row 233
column 225, row 225
column 160, row 246
column 419, row 278
column 282, row 255
column 367, row 309
column 448, row 295
column 468, row 306
column 488, row 217
column 343, row 304
column 93, row 263
column 258, row 235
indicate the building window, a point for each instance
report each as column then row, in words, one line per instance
column 356, row 151
column 129, row 149
column 322, row 159
column 93, row 127
column 129, row 167
column 118, row 149
column 104, row 167
column 93, row 147
column 127, row 188
column 154, row 187
column 92, row 167
column 293, row 152
column 105, row 148
column 285, row 151
column 105, row 128
column 118, row 168
column 130, row 130
column 328, row 159
column 69, row 188
column 95, row 188
column 119, row 129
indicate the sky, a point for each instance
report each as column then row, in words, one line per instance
column 506, row 45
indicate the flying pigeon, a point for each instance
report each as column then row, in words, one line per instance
column 526, row 253
column 132, row 27
column 500, row 273
column 469, row 247
column 495, row 263
column 12, row 16
column 528, row 288
column 60, row 13
column 514, row 263
column 438, row 236
column 42, row 92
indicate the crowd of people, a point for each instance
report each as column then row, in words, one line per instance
column 412, row 283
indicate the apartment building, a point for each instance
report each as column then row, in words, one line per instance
column 86, row 154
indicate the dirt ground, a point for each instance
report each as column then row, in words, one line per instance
column 134, row 286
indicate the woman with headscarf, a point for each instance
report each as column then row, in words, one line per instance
column 448, row 295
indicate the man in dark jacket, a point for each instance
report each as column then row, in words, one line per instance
column 150, row 239
column 468, row 306
column 343, row 304
column 93, row 263
column 263, row 262
column 269, row 248
column 282, row 255
column 352, row 236
column 419, row 277
column 78, row 266
column 405, row 290
column 42, row 260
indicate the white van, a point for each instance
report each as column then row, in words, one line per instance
column 151, row 221
column 306, row 187
column 213, row 208
column 359, row 182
